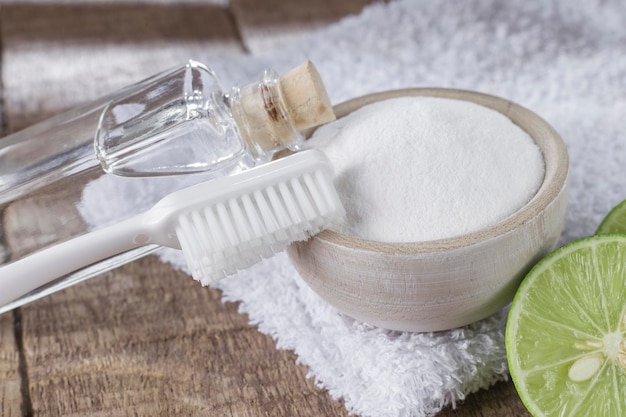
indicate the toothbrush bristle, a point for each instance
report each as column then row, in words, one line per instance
column 235, row 234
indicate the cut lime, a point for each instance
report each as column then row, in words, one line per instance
column 615, row 221
column 566, row 331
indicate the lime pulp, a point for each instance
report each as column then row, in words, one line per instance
column 566, row 331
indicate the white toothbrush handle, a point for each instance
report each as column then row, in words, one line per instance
column 34, row 271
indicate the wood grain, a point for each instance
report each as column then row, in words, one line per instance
column 11, row 403
column 147, row 340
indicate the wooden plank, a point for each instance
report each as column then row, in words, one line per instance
column 147, row 340
column 59, row 55
column 270, row 24
column 11, row 403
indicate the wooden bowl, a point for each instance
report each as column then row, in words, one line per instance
column 447, row 283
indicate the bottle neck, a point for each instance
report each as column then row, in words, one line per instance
column 263, row 118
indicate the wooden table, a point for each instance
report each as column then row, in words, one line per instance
column 145, row 339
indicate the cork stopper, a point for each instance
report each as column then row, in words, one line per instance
column 272, row 113
column 305, row 96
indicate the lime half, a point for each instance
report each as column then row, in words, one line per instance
column 566, row 331
column 615, row 221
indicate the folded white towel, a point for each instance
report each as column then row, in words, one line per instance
column 561, row 59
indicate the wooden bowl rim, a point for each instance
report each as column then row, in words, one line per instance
column 555, row 179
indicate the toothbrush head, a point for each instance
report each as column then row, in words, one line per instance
column 257, row 213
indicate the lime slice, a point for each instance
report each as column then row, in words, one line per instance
column 615, row 221
column 566, row 331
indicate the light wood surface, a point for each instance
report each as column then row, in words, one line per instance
column 144, row 339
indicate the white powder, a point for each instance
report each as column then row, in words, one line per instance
column 422, row 168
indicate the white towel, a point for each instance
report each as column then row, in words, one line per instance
column 562, row 59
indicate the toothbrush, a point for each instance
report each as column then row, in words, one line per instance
column 222, row 225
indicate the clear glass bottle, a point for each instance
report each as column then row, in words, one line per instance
column 179, row 122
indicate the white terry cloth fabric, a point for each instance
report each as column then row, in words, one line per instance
column 560, row 58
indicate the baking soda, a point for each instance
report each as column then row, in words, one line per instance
column 422, row 168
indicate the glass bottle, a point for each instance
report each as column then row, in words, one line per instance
column 179, row 122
